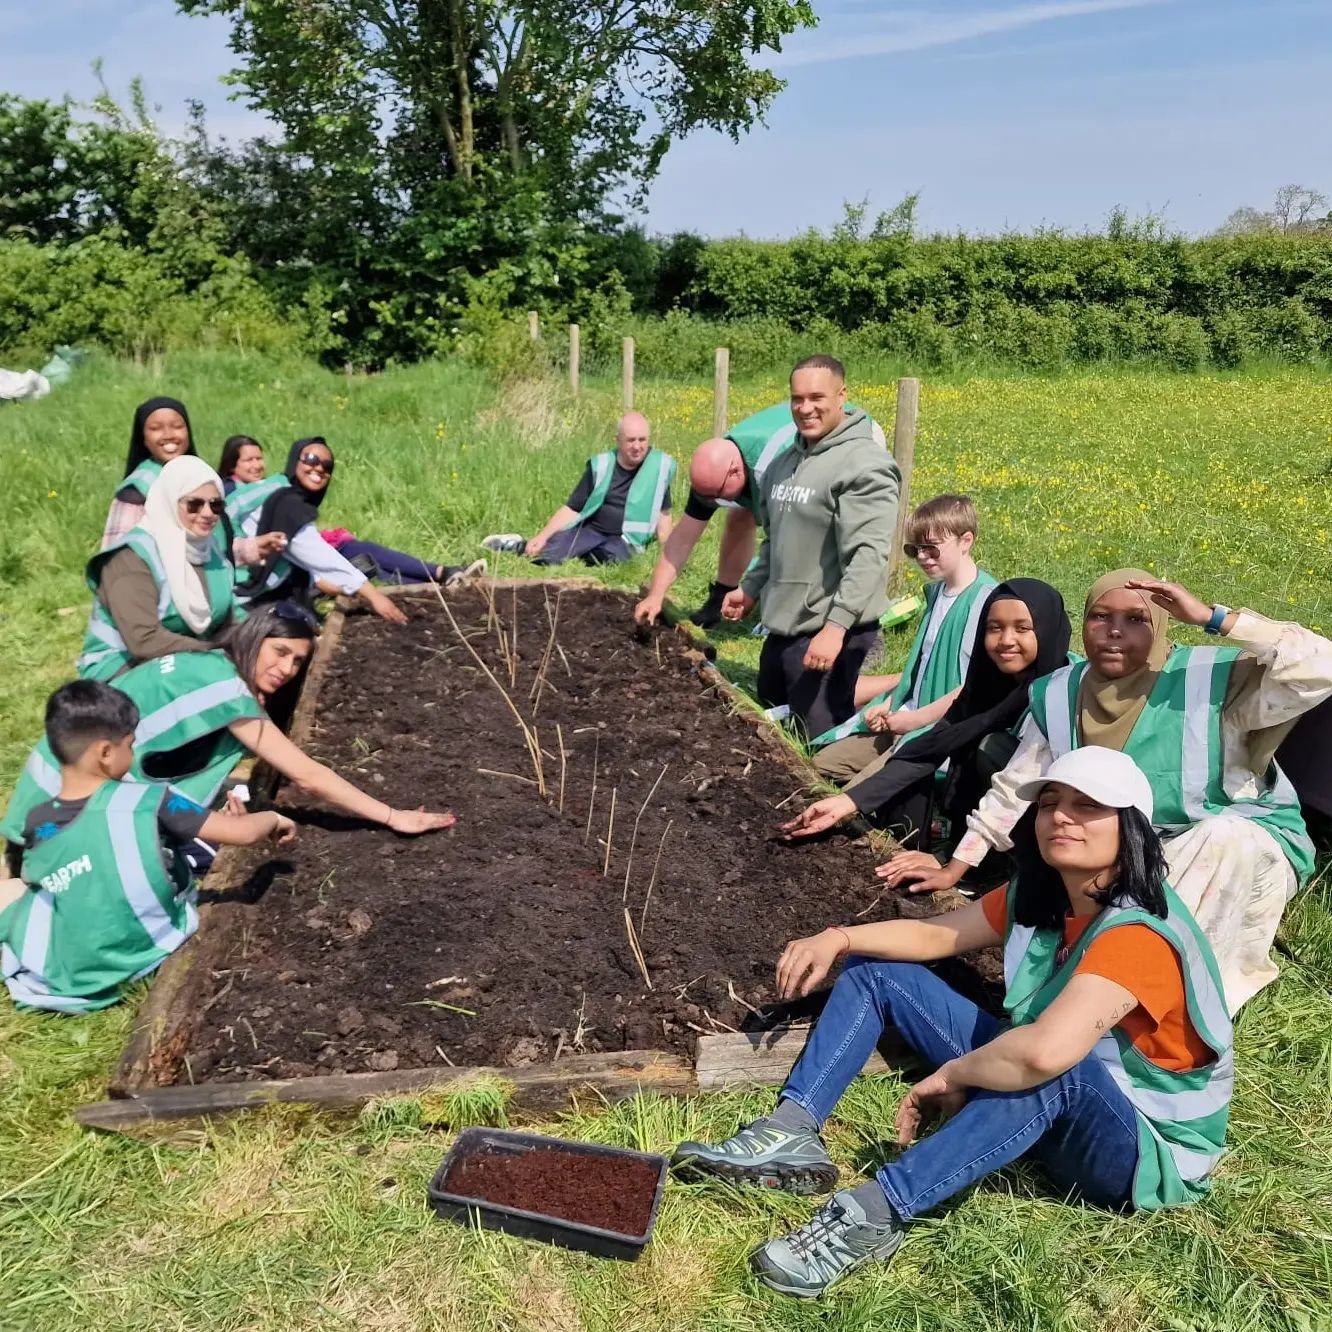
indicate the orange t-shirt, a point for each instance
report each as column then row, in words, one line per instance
column 1140, row 960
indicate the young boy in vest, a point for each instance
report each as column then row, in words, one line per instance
column 940, row 537
column 621, row 502
column 106, row 895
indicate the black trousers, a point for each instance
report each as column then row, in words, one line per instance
column 817, row 699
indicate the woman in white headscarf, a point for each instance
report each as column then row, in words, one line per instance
column 168, row 585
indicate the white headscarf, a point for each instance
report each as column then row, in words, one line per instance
column 177, row 548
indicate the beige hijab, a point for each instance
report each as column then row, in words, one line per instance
column 177, row 548
column 1107, row 709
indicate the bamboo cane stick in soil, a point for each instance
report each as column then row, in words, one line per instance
column 610, row 834
column 633, row 840
column 533, row 749
column 635, row 949
column 559, row 735
column 591, row 804
column 656, row 865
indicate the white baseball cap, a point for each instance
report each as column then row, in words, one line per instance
column 1106, row 775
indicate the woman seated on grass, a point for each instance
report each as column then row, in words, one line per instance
column 1022, row 634
column 1204, row 724
column 161, row 432
column 200, row 713
column 243, row 464
column 1114, row 1074
column 167, row 585
column 290, row 504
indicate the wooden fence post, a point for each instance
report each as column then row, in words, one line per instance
column 573, row 356
column 534, row 326
column 904, row 451
column 627, row 357
column 721, row 389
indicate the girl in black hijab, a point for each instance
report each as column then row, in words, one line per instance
column 1023, row 634
column 161, row 431
column 307, row 564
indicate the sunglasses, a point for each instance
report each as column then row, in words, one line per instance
column 196, row 505
column 318, row 462
column 930, row 549
column 293, row 610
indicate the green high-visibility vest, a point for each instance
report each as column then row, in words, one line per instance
column 102, row 908
column 1176, row 741
column 104, row 653
column 243, row 506
column 181, row 699
column 142, row 477
column 647, row 490
column 928, row 677
column 1181, row 1115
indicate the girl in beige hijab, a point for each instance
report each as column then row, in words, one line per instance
column 1203, row 723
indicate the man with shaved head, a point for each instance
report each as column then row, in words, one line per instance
column 723, row 473
column 621, row 502
column 828, row 506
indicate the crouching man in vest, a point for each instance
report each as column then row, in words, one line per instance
column 107, row 897
column 621, row 502
column 1113, row 1072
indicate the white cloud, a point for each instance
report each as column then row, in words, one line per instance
column 915, row 31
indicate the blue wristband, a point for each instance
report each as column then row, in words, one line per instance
column 1219, row 613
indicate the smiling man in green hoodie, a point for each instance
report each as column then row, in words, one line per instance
column 828, row 507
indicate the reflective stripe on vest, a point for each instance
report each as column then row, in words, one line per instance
column 1180, row 748
column 244, row 506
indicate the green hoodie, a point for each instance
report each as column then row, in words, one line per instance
column 828, row 511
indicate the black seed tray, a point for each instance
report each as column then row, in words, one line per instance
column 538, row 1225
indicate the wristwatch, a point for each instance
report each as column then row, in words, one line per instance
column 1219, row 613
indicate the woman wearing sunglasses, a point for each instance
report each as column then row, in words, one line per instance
column 166, row 586
column 242, row 464
column 290, row 504
column 201, row 712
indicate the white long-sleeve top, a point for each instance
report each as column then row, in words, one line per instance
column 309, row 551
column 1295, row 676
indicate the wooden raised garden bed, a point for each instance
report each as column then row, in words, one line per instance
column 605, row 915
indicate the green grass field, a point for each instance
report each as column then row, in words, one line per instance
column 288, row 1221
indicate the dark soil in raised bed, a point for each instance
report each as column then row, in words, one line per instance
column 501, row 941
column 592, row 1190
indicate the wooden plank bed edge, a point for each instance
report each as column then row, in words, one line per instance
column 538, row 1087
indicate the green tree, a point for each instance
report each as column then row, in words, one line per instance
column 585, row 96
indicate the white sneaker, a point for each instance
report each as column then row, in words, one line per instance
column 477, row 569
column 511, row 543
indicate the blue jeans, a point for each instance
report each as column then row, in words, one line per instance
column 586, row 544
column 394, row 566
column 1079, row 1126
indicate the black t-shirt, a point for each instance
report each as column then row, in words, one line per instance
column 179, row 821
column 609, row 519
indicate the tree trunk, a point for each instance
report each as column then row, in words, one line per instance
column 461, row 47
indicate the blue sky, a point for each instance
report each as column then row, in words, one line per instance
column 1048, row 112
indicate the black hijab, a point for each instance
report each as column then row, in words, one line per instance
column 138, row 450
column 293, row 507
column 287, row 511
column 990, row 701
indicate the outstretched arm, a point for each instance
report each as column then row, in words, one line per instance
column 676, row 549
column 264, row 740
column 807, row 961
column 559, row 520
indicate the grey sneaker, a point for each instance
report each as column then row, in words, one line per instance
column 838, row 1238
column 766, row 1156
column 453, row 575
column 511, row 543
